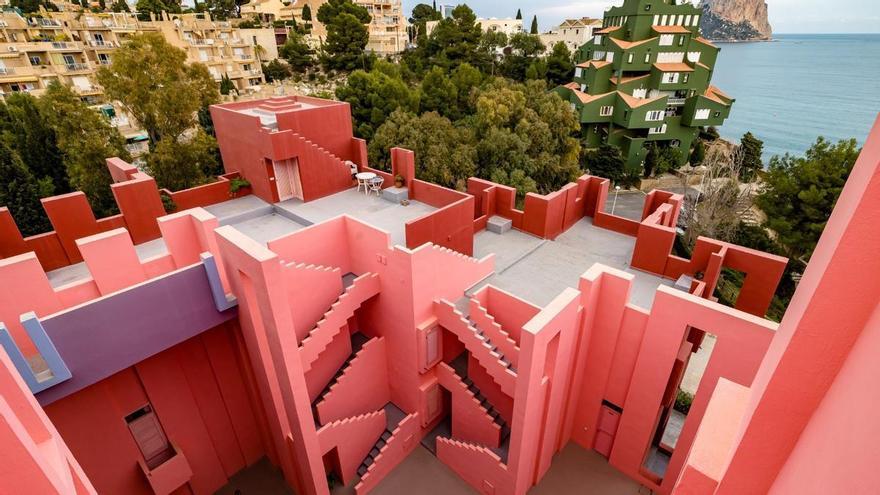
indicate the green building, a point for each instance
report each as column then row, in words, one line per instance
column 645, row 77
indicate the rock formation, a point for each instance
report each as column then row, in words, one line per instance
column 735, row 20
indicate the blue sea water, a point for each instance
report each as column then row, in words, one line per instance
column 801, row 86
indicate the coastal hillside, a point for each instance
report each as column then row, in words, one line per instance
column 735, row 20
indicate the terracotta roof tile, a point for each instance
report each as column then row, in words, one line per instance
column 609, row 29
column 629, row 44
column 595, row 63
column 634, row 102
column 671, row 29
column 679, row 67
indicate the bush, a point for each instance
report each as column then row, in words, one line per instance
column 683, row 401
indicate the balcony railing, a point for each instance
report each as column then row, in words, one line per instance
column 675, row 101
column 105, row 61
column 76, row 66
column 255, row 72
column 43, row 22
column 61, row 45
column 201, row 42
column 99, row 43
column 5, row 71
column 243, row 56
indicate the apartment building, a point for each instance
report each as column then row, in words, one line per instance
column 573, row 32
column 314, row 334
column 645, row 77
column 387, row 29
column 70, row 47
column 507, row 26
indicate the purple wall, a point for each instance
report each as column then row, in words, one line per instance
column 116, row 332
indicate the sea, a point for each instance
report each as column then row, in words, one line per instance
column 800, row 86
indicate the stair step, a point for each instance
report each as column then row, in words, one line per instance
column 374, row 453
column 386, row 435
column 368, row 461
column 362, row 470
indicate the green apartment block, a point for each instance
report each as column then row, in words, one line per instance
column 645, row 76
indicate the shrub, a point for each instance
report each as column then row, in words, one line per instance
column 683, row 402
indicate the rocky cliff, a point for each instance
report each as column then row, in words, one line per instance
column 735, row 20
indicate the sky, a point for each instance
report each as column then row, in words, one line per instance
column 786, row 16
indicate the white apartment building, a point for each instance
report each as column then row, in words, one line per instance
column 573, row 32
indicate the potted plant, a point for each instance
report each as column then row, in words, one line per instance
column 236, row 185
column 398, row 181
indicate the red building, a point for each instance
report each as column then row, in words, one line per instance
column 337, row 335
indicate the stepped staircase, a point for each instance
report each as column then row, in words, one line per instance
column 481, row 347
column 357, row 343
column 460, row 365
column 393, row 417
column 356, row 293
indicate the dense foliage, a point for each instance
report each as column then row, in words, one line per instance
column 801, row 191
column 347, row 35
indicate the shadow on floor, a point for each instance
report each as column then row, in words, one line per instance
column 261, row 478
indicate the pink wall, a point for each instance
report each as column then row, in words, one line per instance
column 200, row 398
column 353, row 438
column 404, row 439
column 470, row 421
column 362, row 387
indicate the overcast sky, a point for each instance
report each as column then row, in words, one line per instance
column 786, row 16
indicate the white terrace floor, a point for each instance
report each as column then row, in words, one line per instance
column 537, row 270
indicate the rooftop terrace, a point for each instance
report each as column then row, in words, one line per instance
column 537, row 270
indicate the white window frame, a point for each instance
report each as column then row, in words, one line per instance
column 655, row 116
column 606, row 111
column 657, row 130
column 702, row 114
column 667, row 39
column 671, row 77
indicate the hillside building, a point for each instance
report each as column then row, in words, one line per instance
column 645, row 77
column 573, row 32
column 309, row 332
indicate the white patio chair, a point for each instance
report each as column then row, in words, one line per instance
column 376, row 185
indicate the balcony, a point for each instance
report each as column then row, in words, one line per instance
column 102, row 44
column 5, row 71
column 208, row 42
column 48, row 23
column 170, row 475
column 76, row 67
column 243, row 56
column 675, row 101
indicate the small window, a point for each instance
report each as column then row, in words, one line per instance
column 717, row 114
column 648, row 58
column 685, row 78
column 629, row 58
column 606, row 111
column 701, row 114
column 578, row 72
column 654, row 115
column 149, row 436
column 667, row 39
column 647, row 7
column 35, row 60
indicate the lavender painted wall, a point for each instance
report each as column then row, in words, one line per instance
column 107, row 335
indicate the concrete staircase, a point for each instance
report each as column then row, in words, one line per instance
column 393, row 417
column 479, row 344
column 357, row 343
column 361, row 289
column 459, row 365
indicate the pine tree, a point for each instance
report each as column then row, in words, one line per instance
column 307, row 13
column 752, row 149
column 20, row 192
column 519, row 14
column 435, row 4
column 534, row 29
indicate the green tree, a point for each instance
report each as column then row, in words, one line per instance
column 85, row 140
column 456, row 40
column 375, row 95
column 605, row 161
column 698, row 154
column 120, row 6
column 31, row 136
column 444, row 153
column 439, row 93
column 222, row 9
column 560, row 67
column 307, row 13
column 164, row 162
column 155, row 85
column 534, row 28
column 519, row 14
column 421, row 14
column 752, row 149
column 525, row 49
column 276, row 71
column 526, row 136
column 227, row 86
column 297, row 52
column 158, row 6
column 467, row 80
column 31, row 6
column 710, row 133
column 800, row 192
column 347, row 38
column 20, row 192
